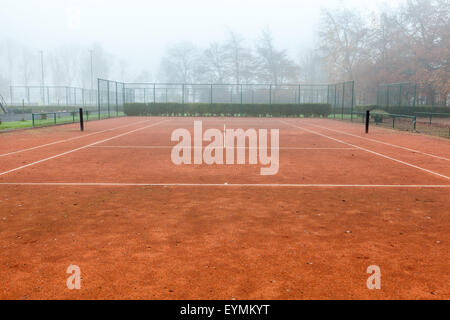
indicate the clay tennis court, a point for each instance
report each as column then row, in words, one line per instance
column 111, row 201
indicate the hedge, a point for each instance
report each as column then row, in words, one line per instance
column 232, row 110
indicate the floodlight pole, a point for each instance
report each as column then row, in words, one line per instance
column 92, row 74
column 43, row 78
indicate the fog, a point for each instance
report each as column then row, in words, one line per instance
column 135, row 34
column 72, row 43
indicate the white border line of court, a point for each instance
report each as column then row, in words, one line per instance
column 249, row 148
column 81, row 148
column 70, row 139
column 368, row 150
column 248, row 185
column 382, row 142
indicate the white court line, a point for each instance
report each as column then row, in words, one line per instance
column 382, row 142
column 271, row 185
column 250, row 148
column 81, row 148
column 70, row 139
column 370, row 151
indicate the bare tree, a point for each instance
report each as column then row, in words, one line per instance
column 240, row 59
column 312, row 69
column 274, row 66
column 215, row 66
column 27, row 63
column 179, row 63
column 344, row 36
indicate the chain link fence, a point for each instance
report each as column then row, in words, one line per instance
column 45, row 96
column 225, row 93
column 111, row 98
column 410, row 95
column 340, row 96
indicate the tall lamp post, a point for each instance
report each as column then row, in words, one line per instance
column 43, row 78
column 92, row 76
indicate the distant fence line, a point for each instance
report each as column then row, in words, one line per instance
column 112, row 95
column 409, row 94
column 52, row 96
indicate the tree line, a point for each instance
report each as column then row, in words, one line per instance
column 232, row 62
column 410, row 43
column 407, row 44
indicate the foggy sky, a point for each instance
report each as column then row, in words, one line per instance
column 138, row 31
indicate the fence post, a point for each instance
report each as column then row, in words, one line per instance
column 387, row 98
column 123, row 95
column 32, row 119
column 335, row 101
column 415, row 95
column 117, row 100
column 299, row 94
column 242, row 100
column 353, row 99
column 270, row 96
column 182, row 98
column 98, row 97
column 107, row 89
column 343, row 99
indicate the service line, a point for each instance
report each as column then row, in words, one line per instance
column 70, row 139
column 382, row 142
column 81, row 148
column 369, row 151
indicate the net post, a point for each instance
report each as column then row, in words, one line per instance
column 81, row 120
column 367, row 121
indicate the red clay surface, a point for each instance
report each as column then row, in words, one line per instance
column 353, row 201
